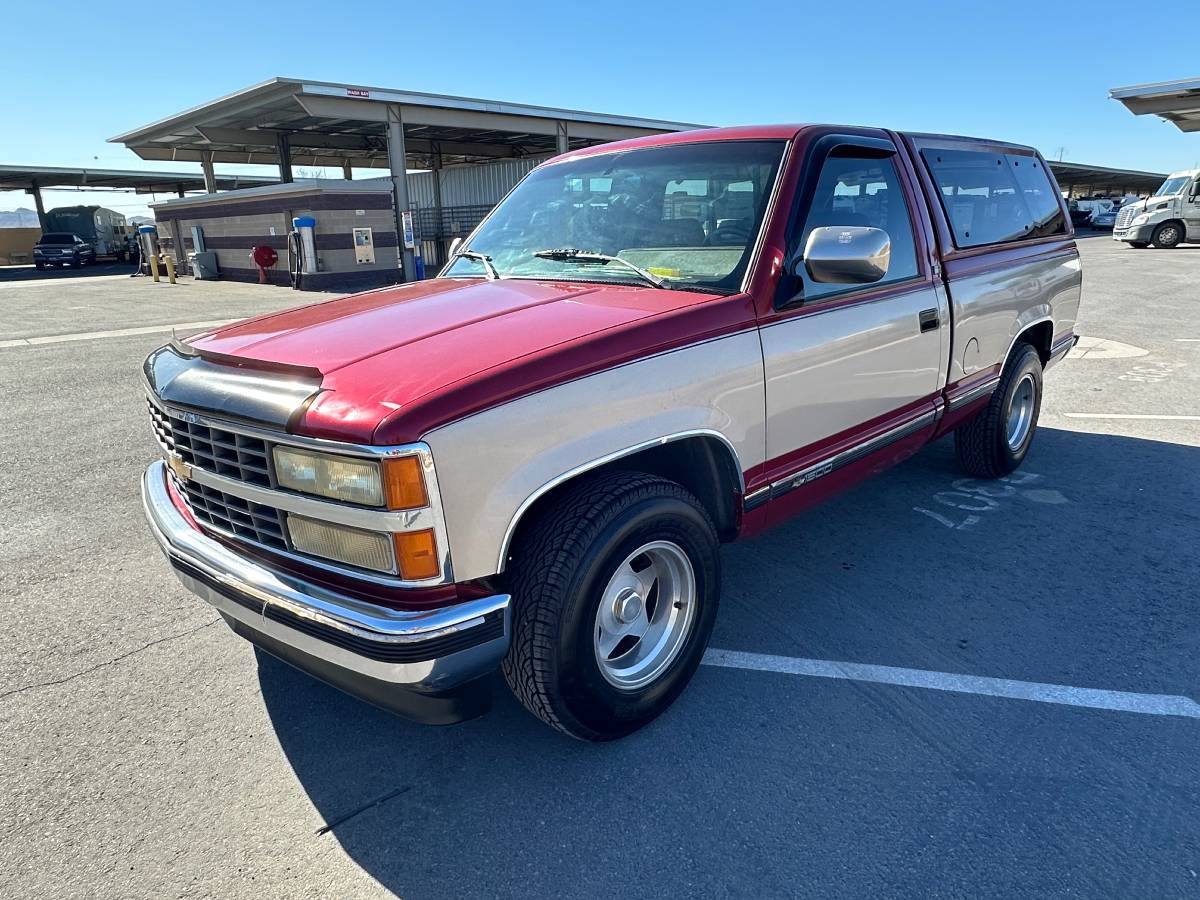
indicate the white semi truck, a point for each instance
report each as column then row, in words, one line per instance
column 1165, row 220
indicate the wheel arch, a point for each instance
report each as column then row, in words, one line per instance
column 1039, row 335
column 702, row 460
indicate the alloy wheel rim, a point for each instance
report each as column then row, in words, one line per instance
column 645, row 615
column 1020, row 412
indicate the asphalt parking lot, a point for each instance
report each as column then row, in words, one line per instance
column 145, row 751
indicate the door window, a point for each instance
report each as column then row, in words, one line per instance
column 856, row 190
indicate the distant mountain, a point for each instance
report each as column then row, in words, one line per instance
column 18, row 218
column 140, row 220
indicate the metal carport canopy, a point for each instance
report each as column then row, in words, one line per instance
column 26, row 178
column 1177, row 102
column 330, row 124
column 1080, row 175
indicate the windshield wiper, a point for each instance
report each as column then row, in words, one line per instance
column 484, row 260
column 586, row 256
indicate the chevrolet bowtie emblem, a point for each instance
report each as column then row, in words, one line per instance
column 179, row 467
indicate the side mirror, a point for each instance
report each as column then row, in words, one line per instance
column 846, row 254
column 454, row 246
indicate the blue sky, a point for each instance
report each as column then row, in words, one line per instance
column 1030, row 73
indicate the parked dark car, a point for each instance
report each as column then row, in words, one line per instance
column 59, row 248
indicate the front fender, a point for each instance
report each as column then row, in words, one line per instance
column 494, row 464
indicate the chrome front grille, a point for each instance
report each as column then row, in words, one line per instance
column 227, row 453
column 233, row 515
column 222, row 472
column 215, row 449
column 1125, row 215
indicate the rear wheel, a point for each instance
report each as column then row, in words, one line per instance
column 1167, row 236
column 996, row 441
column 615, row 592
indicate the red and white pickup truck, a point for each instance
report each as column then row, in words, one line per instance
column 647, row 349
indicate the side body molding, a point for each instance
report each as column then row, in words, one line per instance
column 538, row 442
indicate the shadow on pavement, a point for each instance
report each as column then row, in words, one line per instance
column 31, row 273
column 762, row 785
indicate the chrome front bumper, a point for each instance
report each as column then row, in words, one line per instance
column 431, row 665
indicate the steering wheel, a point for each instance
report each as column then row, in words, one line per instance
column 731, row 232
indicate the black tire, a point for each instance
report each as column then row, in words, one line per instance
column 1139, row 245
column 982, row 443
column 558, row 573
column 1167, row 236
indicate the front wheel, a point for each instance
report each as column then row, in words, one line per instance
column 615, row 591
column 996, row 441
column 1139, row 245
column 1167, row 236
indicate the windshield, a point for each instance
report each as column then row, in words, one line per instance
column 56, row 238
column 687, row 214
column 1172, row 186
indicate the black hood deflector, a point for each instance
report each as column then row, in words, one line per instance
column 269, row 394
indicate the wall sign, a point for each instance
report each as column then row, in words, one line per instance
column 410, row 240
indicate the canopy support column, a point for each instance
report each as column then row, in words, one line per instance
column 283, row 146
column 564, row 143
column 210, row 178
column 397, row 161
column 36, row 190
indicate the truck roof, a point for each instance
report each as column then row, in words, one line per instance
column 770, row 132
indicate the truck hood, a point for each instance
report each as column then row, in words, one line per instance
column 411, row 357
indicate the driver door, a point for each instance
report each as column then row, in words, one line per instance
column 852, row 370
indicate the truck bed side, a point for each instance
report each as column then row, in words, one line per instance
column 998, row 293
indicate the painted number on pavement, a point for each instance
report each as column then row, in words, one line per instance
column 971, row 499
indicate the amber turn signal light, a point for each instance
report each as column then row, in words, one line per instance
column 416, row 552
column 404, row 483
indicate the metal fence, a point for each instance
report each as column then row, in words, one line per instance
column 436, row 228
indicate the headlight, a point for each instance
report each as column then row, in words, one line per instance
column 336, row 477
column 396, row 483
column 1140, row 220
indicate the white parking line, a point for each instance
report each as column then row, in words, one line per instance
column 1122, row 701
column 116, row 332
column 1132, row 416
